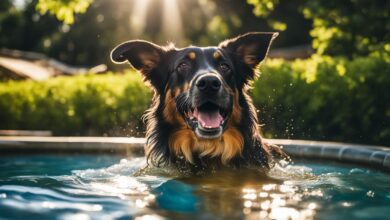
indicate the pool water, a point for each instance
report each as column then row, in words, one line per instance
column 105, row 187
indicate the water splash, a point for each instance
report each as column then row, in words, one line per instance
column 118, row 190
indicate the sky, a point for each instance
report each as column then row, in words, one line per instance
column 20, row 3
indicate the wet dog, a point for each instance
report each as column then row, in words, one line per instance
column 201, row 115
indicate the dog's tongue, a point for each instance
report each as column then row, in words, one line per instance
column 209, row 119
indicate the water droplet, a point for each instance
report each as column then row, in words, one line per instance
column 356, row 171
column 312, row 206
column 370, row 193
column 346, row 204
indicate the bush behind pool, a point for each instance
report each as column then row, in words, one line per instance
column 319, row 98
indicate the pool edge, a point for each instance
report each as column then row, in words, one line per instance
column 376, row 156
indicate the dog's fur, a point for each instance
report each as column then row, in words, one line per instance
column 182, row 105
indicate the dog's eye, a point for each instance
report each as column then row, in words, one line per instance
column 183, row 68
column 223, row 67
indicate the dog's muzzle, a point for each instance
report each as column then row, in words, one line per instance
column 211, row 106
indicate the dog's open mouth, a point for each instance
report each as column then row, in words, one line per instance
column 207, row 120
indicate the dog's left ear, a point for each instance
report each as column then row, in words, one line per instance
column 249, row 49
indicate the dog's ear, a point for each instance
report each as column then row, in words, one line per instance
column 143, row 56
column 249, row 49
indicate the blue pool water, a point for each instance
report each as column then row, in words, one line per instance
column 105, row 187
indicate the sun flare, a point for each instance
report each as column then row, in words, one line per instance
column 171, row 21
column 138, row 17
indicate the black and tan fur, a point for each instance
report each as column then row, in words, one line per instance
column 172, row 73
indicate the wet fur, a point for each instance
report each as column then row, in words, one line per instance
column 169, row 140
column 240, row 145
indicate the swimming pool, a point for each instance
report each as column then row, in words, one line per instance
column 86, row 186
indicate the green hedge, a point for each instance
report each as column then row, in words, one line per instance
column 319, row 98
column 326, row 98
column 81, row 105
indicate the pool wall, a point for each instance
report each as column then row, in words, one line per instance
column 367, row 155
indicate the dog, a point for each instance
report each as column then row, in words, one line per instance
column 201, row 115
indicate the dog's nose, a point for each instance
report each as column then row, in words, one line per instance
column 208, row 84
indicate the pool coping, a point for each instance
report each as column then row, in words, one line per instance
column 368, row 155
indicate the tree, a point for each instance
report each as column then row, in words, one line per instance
column 93, row 33
column 344, row 27
column 64, row 10
column 25, row 29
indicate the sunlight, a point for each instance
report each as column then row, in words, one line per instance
column 172, row 27
column 20, row 4
column 138, row 17
column 171, row 22
column 274, row 201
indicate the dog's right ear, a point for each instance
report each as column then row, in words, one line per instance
column 143, row 56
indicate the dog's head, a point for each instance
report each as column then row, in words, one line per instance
column 198, row 87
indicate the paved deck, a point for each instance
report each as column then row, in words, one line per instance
column 377, row 156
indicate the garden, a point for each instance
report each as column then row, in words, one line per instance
column 337, row 90
column 83, row 137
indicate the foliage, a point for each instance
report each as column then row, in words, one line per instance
column 81, row 105
column 326, row 98
column 319, row 98
column 344, row 27
column 263, row 7
column 24, row 29
column 349, row 27
column 64, row 10
column 88, row 41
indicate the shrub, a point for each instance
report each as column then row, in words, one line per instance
column 320, row 98
column 326, row 99
column 81, row 105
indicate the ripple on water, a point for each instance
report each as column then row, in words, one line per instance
column 289, row 191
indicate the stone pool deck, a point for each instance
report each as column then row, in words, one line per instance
column 376, row 156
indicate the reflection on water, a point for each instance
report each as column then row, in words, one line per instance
column 242, row 194
column 276, row 202
column 90, row 187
